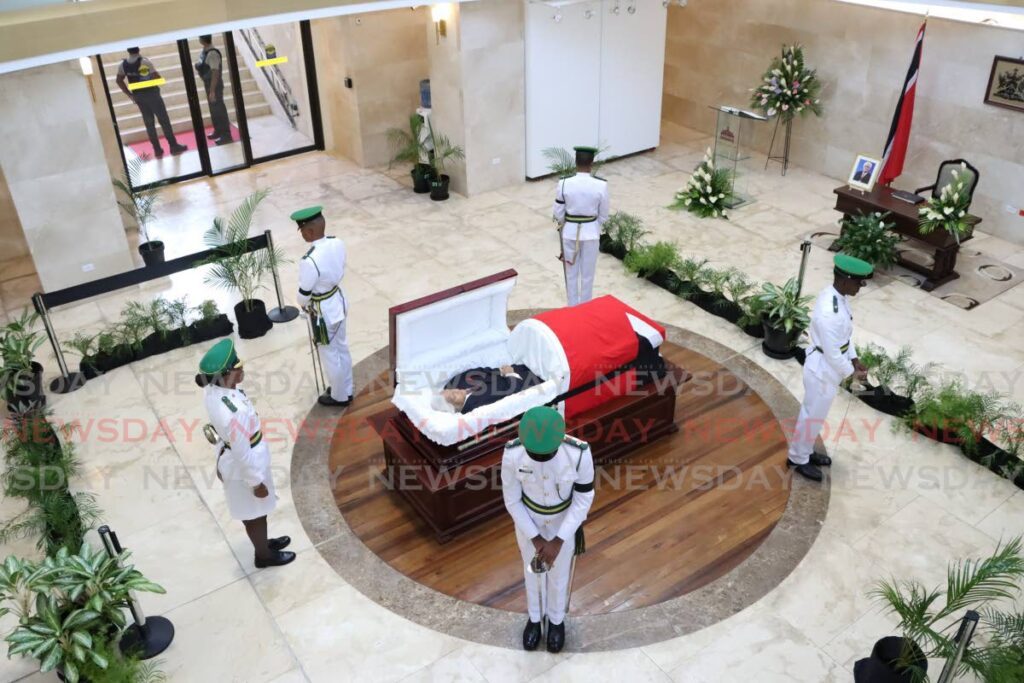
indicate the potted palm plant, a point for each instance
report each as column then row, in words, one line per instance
column 85, row 346
column 409, row 147
column 893, row 382
column 211, row 324
column 444, row 153
column 176, row 311
column 132, row 330
column 140, row 204
column 929, row 619
column 22, row 375
column 235, row 267
column 953, row 414
column 153, row 318
column 621, row 234
column 69, row 609
column 110, row 352
column 785, row 315
column 692, row 272
column 869, row 237
column 562, row 162
column 733, row 287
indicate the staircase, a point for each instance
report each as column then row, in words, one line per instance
column 165, row 59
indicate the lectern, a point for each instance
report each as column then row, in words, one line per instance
column 731, row 129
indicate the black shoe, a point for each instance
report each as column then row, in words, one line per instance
column 556, row 637
column 808, row 470
column 178, row 149
column 820, row 459
column 276, row 559
column 213, row 136
column 158, row 152
column 326, row 400
column 226, row 140
column 531, row 635
column 279, row 543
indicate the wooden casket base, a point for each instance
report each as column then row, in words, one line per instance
column 454, row 489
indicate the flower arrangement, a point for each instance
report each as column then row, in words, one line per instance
column 707, row 191
column 788, row 87
column 949, row 210
column 868, row 236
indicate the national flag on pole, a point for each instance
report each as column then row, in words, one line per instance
column 899, row 132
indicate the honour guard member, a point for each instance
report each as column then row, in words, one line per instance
column 581, row 208
column 243, row 457
column 831, row 358
column 320, row 273
column 547, row 482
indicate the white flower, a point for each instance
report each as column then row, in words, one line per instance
column 948, row 210
column 703, row 201
column 687, row 202
column 771, row 112
column 961, row 214
column 721, row 196
column 717, row 213
column 708, row 188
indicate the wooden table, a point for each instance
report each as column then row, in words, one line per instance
column 851, row 202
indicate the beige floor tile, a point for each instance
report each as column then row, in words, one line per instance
column 631, row 665
column 455, row 667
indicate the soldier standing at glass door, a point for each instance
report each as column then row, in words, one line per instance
column 210, row 69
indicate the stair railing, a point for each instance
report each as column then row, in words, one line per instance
column 275, row 78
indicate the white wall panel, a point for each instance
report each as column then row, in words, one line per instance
column 632, row 74
column 563, row 65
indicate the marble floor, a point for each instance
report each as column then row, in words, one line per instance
column 898, row 505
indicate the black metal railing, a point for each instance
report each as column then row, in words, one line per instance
column 272, row 72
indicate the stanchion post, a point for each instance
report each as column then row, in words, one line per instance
column 147, row 637
column 68, row 381
column 963, row 638
column 805, row 249
column 281, row 314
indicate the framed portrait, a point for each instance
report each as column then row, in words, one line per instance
column 864, row 173
column 1006, row 83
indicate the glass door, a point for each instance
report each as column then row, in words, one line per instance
column 276, row 69
column 214, row 84
column 149, row 103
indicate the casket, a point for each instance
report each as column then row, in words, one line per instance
column 447, row 465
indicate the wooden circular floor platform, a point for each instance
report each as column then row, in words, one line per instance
column 667, row 520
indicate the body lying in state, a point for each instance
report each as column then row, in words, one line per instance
column 477, row 387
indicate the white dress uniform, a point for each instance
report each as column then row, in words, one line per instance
column 245, row 461
column 320, row 273
column 549, row 498
column 581, row 206
column 829, row 361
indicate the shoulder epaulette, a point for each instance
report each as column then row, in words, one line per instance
column 603, row 180
column 513, row 443
column 573, row 441
column 306, row 255
column 835, row 304
column 229, row 404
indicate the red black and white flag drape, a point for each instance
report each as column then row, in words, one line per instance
column 899, row 132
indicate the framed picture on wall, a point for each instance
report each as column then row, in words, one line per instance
column 1006, row 83
column 864, row 172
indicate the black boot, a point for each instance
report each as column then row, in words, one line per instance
column 820, row 459
column 276, row 559
column 531, row 635
column 279, row 543
column 326, row 400
column 556, row 637
column 808, row 470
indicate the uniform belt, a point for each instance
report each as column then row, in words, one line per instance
column 842, row 348
column 326, row 295
column 254, row 440
column 580, row 219
column 547, row 509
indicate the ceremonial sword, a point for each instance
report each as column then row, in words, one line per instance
column 539, row 570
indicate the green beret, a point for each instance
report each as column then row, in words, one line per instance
column 303, row 215
column 585, row 149
column 220, row 358
column 541, row 430
column 851, row 266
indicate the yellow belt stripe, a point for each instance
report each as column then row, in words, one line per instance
column 325, row 296
column 546, row 509
column 580, row 219
column 254, row 440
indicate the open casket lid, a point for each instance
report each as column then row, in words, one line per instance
column 432, row 330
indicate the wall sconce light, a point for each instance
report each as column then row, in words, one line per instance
column 440, row 14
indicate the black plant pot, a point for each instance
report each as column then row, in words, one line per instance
column 88, row 368
column 884, row 664
column 205, row 330
column 439, row 188
column 883, row 400
column 755, row 330
column 604, row 243
column 778, row 343
column 254, row 322
column 421, row 174
column 152, row 252
column 155, row 344
column 708, row 301
column 118, row 356
column 947, row 434
column 997, row 461
column 27, row 394
column 666, row 279
column 728, row 310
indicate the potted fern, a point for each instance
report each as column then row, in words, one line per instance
column 655, row 262
column 785, row 315
column 621, row 234
column 176, row 311
column 110, row 353
column 140, row 204
column 1005, row 459
column 953, row 414
column 751, row 319
column 21, row 374
column 444, row 153
column 869, row 237
column 236, row 268
column 211, row 324
column 409, row 147
column 893, row 382
column 692, row 272
column 929, row 619
column 132, row 330
column 732, row 287
column 153, row 318
column 69, row 609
